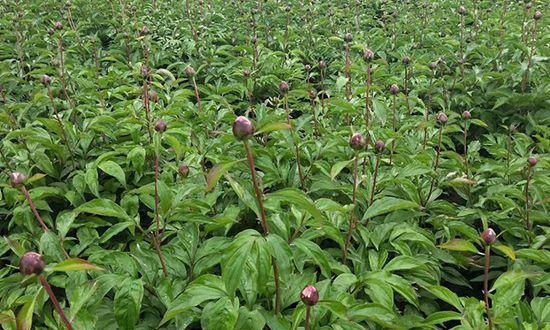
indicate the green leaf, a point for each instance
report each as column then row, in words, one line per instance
column 388, row 204
column 313, row 251
column 72, row 264
column 402, row 263
column 114, row 170
column 236, row 255
column 216, row 173
column 506, row 250
column 446, row 295
column 442, row 317
column 341, row 82
column 298, row 198
column 104, row 207
column 220, row 315
column 542, row 256
column 271, row 127
column 115, row 229
column 24, row 317
column 127, row 303
column 137, row 157
column 243, row 194
column 458, row 244
column 338, row 167
column 92, row 180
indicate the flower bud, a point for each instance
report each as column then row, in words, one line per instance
column 348, row 37
column 183, row 170
column 307, row 67
column 242, row 128
column 153, row 96
column 312, row 94
column 51, row 31
column 144, row 71
column 17, row 179
column 532, row 161
column 32, row 263
column 489, row 236
column 368, row 54
column 246, row 73
column 433, row 65
column 189, row 71
column 406, row 60
column 46, row 80
column 394, row 89
column 283, row 87
column 254, row 39
column 466, row 115
column 58, row 25
column 528, row 5
column 442, row 118
column 379, row 146
column 160, row 126
column 322, row 64
column 537, row 15
column 144, row 31
column 357, row 141
column 309, row 295
column 461, row 10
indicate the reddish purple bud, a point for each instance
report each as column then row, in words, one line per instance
column 394, row 89
column 254, row 39
column 283, row 87
column 160, row 126
column 307, row 67
column 406, row 60
column 442, row 118
column 309, row 295
column 322, row 64
column 368, row 54
column 153, row 96
column 489, row 236
column 17, row 179
column 58, row 25
column 348, row 37
column 537, row 15
column 144, row 31
column 32, row 263
column 312, row 94
column 144, row 71
column 246, row 73
column 466, row 115
column 189, row 71
column 51, row 31
column 528, row 5
column 461, row 10
column 46, row 80
column 380, row 146
column 242, row 128
column 532, row 161
column 357, row 141
column 183, row 170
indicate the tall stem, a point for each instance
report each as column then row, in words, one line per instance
column 352, row 222
column 367, row 98
column 295, row 140
column 436, row 165
column 61, row 126
column 528, row 223
column 462, row 46
column 157, row 241
column 427, row 112
column 197, row 96
column 394, row 126
column 33, row 208
column 322, row 97
column 347, row 69
column 374, row 179
column 308, row 317
column 525, row 79
column 263, row 221
column 56, row 304
column 486, row 285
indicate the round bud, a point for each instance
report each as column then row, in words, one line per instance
column 461, row 10
column 183, row 170
column 348, row 37
column 528, row 5
column 433, row 65
column 394, row 89
column 51, row 31
column 489, row 236
column 246, row 73
column 309, row 295
column 532, row 161
column 252, row 24
column 442, row 118
column 46, row 80
column 322, row 64
column 144, row 71
column 357, row 141
column 32, row 263
column 144, row 31
column 17, row 179
column 312, row 94
column 379, row 146
column 307, row 67
column 160, row 126
column 189, row 71
column 254, row 40
column 466, row 115
column 153, row 96
column 406, row 60
column 368, row 54
column 283, row 87
column 537, row 15
column 58, row 25
column 242, row 128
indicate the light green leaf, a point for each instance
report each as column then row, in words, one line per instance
column 388, row 204
column 127, row 303
column 299, row 199
column 460, row 245
column 271, row 127
column 505, row 249
column 114, row 170
column 446, row 295
column 72, row 264
column 313, row 251
column 216, row 173
column 104, row 207
column 338, row 167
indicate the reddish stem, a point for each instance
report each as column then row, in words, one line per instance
column 374, row 179
column 33, row 208
column 528, row 223
column 308, row 316
column 486, row 285
column 55, row 302
column 436, row 165
column 352, row 223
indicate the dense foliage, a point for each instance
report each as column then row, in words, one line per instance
column 179, row 164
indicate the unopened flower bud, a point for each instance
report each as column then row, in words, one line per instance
column 160, row 126
column 246, row 73
column 32, row 263
column 242, row 128
column 489, row 236
column 312, row 94
column 442, row 118
column 46, row 80
column 283, row 87
column 309, row 295
column 17, row 179
column 357, row 141
column 380, row 146
column 406, row 60
column 322, row 64
column 153, row 96
column 466, row 115
column 461, row 10
column 58, row 25
column 368, row 54
column 307, row 67
column 532, row 161
column 537, row 15
column 183, row 170
column 348, row 37
column 394, row 89
column 144, row 31
column 189, row 71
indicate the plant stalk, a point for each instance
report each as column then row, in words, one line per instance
column 486, row 285
column 55, row 302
